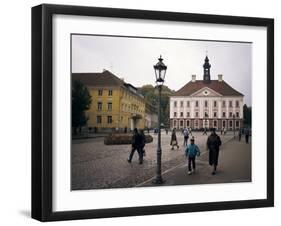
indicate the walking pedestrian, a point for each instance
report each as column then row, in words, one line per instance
column 205, row 131
column 174, row 141
column 185, row 137
column 136, row 145
column 142, row 142
column 240, row 134
column 213, row 145
column 247, row 134
column 222, row 130
column 167, row 131
column 191, row 152
column 190, row 131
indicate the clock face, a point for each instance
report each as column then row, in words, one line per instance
column 206, row 92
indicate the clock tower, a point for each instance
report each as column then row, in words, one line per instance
column 207, row 66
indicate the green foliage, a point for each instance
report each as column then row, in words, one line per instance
column 150, row 94
column 247, row 112
column 81, row 101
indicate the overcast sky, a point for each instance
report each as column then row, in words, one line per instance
column 133, row 60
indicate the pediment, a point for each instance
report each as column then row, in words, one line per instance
column 206, row 92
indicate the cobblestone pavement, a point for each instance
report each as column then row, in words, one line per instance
column 95, row 165
column 234, row 166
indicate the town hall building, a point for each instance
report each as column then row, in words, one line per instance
column 206, row 104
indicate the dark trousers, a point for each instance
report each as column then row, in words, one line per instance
column 139, row 150
column 247, row 138
column 191, row 160
column 185, row 139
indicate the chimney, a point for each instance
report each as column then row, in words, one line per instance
column 220, row 77
column 193, row 78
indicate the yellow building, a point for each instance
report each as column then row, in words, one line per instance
column 116, row 105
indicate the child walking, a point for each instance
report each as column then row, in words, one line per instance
column 191, row 152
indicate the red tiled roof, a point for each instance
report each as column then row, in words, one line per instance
column 220, row 87
column 105, row 78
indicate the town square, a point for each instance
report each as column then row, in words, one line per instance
column 95, row 165
column 131, row 132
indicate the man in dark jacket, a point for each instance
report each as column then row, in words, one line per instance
column 142, row 142
column 213, row 145
column 136, row 145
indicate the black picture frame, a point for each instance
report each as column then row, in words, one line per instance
column 42, row 111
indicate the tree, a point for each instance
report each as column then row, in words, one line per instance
column 150, row 94
column 81, row 101
column 247, row 112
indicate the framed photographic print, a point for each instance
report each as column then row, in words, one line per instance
column 146, row 112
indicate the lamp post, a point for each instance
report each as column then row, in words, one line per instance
column 160, row 72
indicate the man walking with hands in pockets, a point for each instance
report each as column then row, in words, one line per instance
column 213, row 145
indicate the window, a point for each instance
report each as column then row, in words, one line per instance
column 109, row 119
column 175, row 114
column 215, row 103
column 100, row 92
column 110, row 92
column 98, row 119
column 196, row 113
column 188, row 104
column 215, row 114
column 223, row 114
column 196, row 123
column 237, row 124
column 230, row 114
column 187, row 123
column 230, row 104
column 187, row 114
column 215, row 123
column 181, row 123
column 206, row 114
column 99, row 106
column 175, row 104
column 181, row 104
column 175, row 123
column 206, row 103
column 196, row 103
column 181, row 114
column 223, row 124
column 237, row 114
column 223, row 104
column 109, row 106
column 237, row 104
column 230, row 123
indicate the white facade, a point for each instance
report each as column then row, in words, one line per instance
column 206, row 109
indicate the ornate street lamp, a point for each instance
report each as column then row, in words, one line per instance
column 160, row 72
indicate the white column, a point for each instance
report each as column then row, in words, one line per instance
column 219, row 108
column 192, row 108
column 227, row 112
column 241, row 108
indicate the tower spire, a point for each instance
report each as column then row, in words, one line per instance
column 206, row 67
